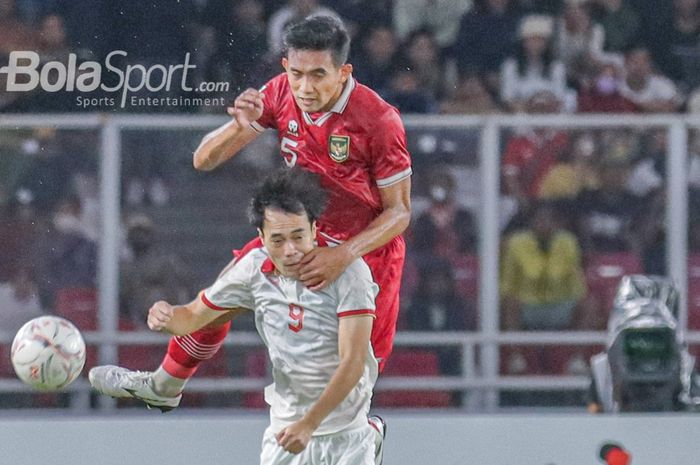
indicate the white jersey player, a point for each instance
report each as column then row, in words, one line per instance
column 323, row 367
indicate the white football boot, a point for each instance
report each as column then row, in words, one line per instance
column 121, row 383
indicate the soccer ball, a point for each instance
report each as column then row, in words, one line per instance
column 48, row 353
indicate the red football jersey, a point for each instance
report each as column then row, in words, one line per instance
column 356, row 148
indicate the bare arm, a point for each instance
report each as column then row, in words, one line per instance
column 353, row 343
column 394, row 219
column 323, row 265
column 183, row 319
column 223, row 143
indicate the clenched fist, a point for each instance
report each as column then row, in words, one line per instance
column 159, row 315
column 247, row 107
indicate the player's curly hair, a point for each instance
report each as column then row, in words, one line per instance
column 319, row 33
column 291, row 191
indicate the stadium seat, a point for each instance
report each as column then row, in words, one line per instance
column 412, row 363
column 603, row 273
column 78, row 305
column 694, row 292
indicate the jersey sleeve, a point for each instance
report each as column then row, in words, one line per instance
column 356, row 291
column 272, row 91
column 391, row 161
column 232, row 288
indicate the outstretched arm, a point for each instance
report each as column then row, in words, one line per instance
column 223, row 143
column 184, row 319
column 353, row 343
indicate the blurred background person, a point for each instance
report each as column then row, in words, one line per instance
column 542, row 279
column 19, row 300
column 650, row 92
column 475, row 49
column 534, row 68
column 471, row 97
column 150, row 274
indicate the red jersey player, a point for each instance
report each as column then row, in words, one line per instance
column 329, row 124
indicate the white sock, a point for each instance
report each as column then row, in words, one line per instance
column 166, row 384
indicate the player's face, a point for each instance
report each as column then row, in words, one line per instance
column 287, row 237
column 315, row 81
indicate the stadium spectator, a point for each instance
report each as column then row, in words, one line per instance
column 607, row 215
column 648, row 170
column 470, row 97
column 578, row 40
column 531, row 153
column 441, row 17
column 69, row 257
column 377, row 60
column 292, row 11
column 652, row 93
column 437, row 306
column 150, row 273
column 406, row 94
column 601, row 92
column 20, row 300
column 49, row 168
column 53, row 42
column 575, row 171
column 445, row 229
column 14, row 33
column 421, row 56
column 675, row 48
column 534, row 68
column 541, row 274
column 20, row 228
column 476, row 49
column 621, row 24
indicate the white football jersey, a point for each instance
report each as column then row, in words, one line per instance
column 300, row 329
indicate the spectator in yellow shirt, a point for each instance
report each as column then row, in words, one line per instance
column 542, row 279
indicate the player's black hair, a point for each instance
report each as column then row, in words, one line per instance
column 319, row 33
column 291, row 191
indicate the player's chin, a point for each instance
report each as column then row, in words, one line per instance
column 308, row 105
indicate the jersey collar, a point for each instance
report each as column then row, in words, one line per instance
column 338, row 107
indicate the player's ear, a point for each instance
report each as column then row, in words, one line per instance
column 260, row 234
column 285, row 63
column 345, row 71
column 313, row 229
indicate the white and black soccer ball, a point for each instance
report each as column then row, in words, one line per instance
column 48, row 353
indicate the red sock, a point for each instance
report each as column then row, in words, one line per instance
column 186, row 352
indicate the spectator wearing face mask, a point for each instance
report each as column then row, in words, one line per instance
column 601, row 93
column 445, row 229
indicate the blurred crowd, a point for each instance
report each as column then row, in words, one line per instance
column 424, row 56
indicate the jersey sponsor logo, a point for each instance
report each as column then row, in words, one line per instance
column 339, row 148
column 293, row 127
